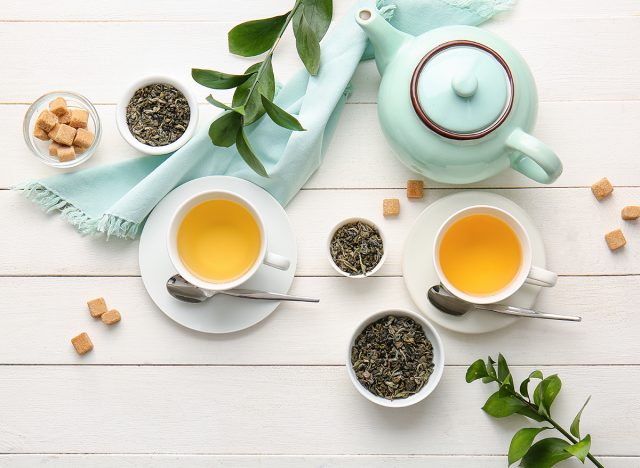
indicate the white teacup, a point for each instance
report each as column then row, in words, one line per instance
column 264, row 256
column 527, row 273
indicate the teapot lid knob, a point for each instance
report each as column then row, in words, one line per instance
column 465, row 85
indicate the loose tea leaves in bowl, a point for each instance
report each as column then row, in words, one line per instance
column 158, row 114
column 356, row 248
column 392, row 357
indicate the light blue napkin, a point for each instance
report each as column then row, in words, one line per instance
column 115, row 199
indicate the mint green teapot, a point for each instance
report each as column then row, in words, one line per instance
column 457, row 103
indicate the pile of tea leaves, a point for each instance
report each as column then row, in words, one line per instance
column 392, row 357
column 356, row 248
column 158, row 114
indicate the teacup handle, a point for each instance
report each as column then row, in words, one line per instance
column 277, row 261
column 541, row 277
column 533, row 158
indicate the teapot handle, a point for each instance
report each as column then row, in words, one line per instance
column 533, row 158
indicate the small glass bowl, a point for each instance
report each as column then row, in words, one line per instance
column 41, row 148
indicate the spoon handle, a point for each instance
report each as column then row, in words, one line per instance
column 269, row 296
column 521, row 312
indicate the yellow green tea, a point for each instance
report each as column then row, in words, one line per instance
column 219, row 241
column 480, row 254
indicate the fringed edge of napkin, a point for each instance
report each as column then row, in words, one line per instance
column 107, row 224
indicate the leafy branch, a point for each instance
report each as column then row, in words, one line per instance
column 255, row 88
column 507, row 401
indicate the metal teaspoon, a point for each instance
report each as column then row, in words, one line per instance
column 443, row 300
column 181, row 289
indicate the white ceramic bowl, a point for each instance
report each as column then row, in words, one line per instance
column 352, row 220
column 438, row 360
column 41, row 148
column 121, row 118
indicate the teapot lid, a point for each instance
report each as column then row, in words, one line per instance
column 462, row 90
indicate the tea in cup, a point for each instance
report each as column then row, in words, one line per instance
column 217, row 241
column 483, row 255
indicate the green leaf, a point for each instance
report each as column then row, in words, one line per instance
column 490, row 370
column 318, row 14
column 500, row 406
column 546, row 453
column 531, row 414
column 223, row 130
column 281, row 116
column 245, row 150
column 575, row 425
column 581, row 449
column 257, row 36
column 218, row 80
column 307, row 45
column 508, row 381
column 536, row 374
column 222, row 105
column 503, row 368
column 476, row 371
column 522, row 441
column 524, row 386
column 266, row 86
column 546, row 392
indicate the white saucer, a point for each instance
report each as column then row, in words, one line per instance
column 419, row 272
column 221, row 314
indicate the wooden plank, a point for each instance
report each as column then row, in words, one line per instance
column 275, row 410
column 276, row 461
column 40, row 315
column 359, row 156
column 584, row 68
column 571, row 221
column 203, row 10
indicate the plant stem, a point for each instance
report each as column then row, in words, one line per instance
column 269, row 54
column 554, row 424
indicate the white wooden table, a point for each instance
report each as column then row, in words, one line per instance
column 277, row 395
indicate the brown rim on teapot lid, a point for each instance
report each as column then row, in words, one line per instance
column 462, row 90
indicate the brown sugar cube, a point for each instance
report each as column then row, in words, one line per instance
column 84, row 138
column 65, row 118
column 602, row 188
column 53, row 131
column 64, row 135
column 629, row 213
column 78, row 150
column 40, row 134
column 58, row 106
column 415, row 188
column 97, row 307
column 79, row 118
column 615, row 239
column 111, row 317
column 390, row 207
column 46, row 120
column 53, row 149
column 66, row 153
column 82, row 343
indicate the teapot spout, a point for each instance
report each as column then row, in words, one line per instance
column 386, row 39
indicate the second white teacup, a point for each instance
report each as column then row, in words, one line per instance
column 465, row 249
column 217, row 241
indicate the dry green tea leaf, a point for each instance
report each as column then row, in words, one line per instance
column 158, row 114
column 392, row 357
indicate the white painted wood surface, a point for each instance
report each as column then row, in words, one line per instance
column 153, row 394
